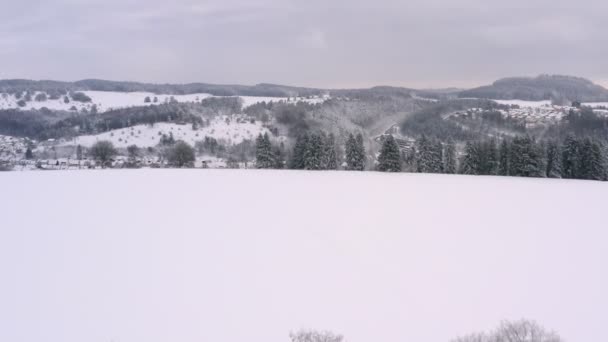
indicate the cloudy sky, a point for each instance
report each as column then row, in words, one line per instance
column 325, row 43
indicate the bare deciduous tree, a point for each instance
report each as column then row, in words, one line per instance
column 518, row 331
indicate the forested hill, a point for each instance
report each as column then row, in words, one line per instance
column 543, row 87
column 20, row 85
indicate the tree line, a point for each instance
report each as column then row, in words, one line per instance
column 572, row 158
column 311, row 151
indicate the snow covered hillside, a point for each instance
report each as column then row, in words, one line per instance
column 233, row 256
column 106, row 100
column 229, row 129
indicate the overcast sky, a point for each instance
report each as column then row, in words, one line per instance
column 340, row 43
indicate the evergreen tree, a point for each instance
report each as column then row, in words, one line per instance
column 526, row 159
column 490, row 159
column 503, row 161
column 79, row 152
column 330, row 155
column 297, row 158
column 592, row 165
column 279, row 157
column 390, row 157
column 554, row 160
column 570, row 157
column 449, row 158
column 360, row 153
column 264, row 158
column 313, row 156
column 471, row 164
column 355, row 153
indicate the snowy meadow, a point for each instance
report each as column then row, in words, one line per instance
column 243, row 255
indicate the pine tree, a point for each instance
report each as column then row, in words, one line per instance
column 264, row 158
column 313, row 156
column 279, row 157
column 554, row 160
column 503, row 161
column 79, row 152
column 490, row 159
column 390, row 157
column 330, row 155
column 299, row 150
column 592, row 165
column 526, row 159
column 360, row 153
column 355, row 153
column 29, row 154
column 449, row 158
column 570, row 157
column 470, row 164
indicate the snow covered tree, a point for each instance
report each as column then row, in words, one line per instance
column 355, row 153
column 79, row 152
column 299, row 150
column 313, row 156
column 471, row 163
column 264, row 157
column 279, row 156
column 103, row 151
column 526, row 159
column 503, row 159
column 330, row 158
column 449, row 158
column 315, row 336
column 29, row 154
column 592, row 164
column 554, row 160
column 429, row 158
column 390, row 156
column 570, row 157
column 181, row 155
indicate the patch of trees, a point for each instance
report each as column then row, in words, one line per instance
column 314, row 151
column 296, row 117
column 518, row 331
column 430, row 121
column 103, row 152
column 573, row 158
column 81, row 97
column 223, row 105
column 181, row 154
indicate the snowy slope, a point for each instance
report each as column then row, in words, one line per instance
column 525, row 104
column 233, row 256
column 107, row 100
column 232, row 132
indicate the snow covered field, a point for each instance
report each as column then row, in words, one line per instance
column 233, row 256
column 232, row 132
column 106, row 100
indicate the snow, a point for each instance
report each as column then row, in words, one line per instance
column 239, row 129
column 596, row 104
column 526, row 104
column 243, row 255
column 107, row 100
